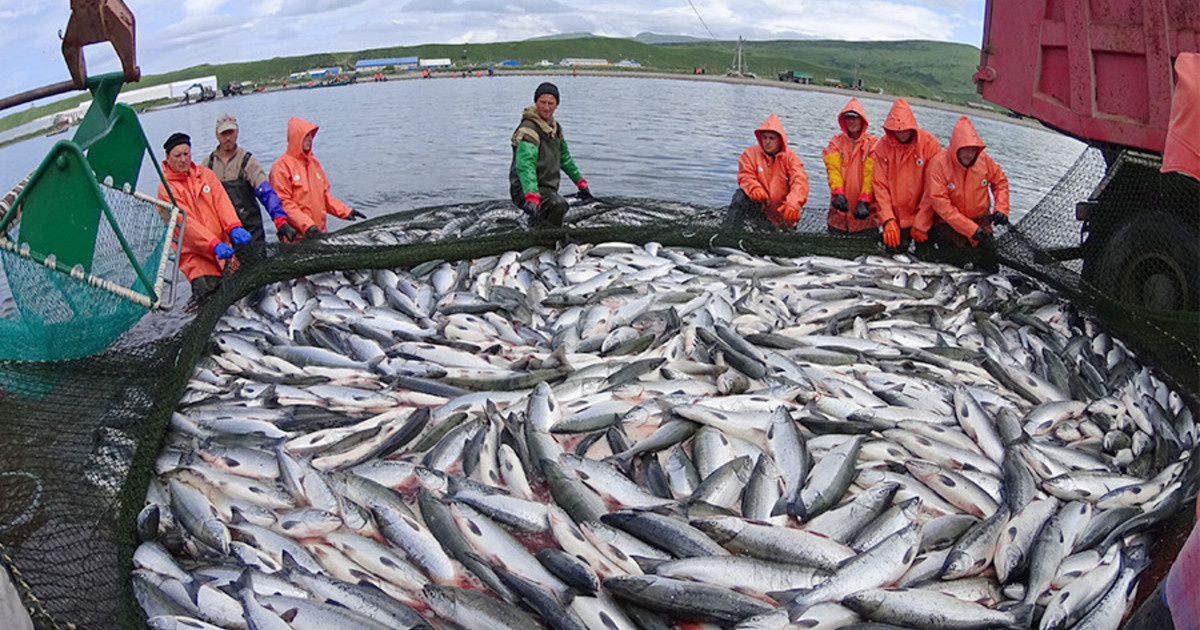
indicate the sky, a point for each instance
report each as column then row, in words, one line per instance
column 176, row 34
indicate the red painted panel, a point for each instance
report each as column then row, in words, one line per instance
column 1097, row 69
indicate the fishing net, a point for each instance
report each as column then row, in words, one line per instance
column 81, row 435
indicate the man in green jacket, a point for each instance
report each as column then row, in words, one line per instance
column 539, row 153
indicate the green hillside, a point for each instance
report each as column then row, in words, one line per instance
column 924, row 69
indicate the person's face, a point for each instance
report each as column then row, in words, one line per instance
column 771, row 142
column 904, row 136
column 227, row 140
column 545, row 105
column 306, row 143
column 853, row 126
column 967, row 155
column 180, row 158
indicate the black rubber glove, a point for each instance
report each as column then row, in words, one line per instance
column 355, row 215
column 862, row 210
column 984, row 238
column 312, row 232
column 839, row 203
column 286, row 233
column 999, row 218
column 585, row 194
column 532, row 208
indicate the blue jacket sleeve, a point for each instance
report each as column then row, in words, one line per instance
column 266, row 195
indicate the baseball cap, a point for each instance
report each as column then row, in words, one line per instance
column 225, row 122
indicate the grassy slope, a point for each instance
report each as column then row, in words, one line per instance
column 925, row 69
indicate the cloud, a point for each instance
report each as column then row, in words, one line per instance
column 486, row 6
column 189, row 32
column 294, row 8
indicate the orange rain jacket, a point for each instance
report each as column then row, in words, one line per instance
column 848, row 165
column 899, row 175
column 301, row 184
column 782, row 175
column 958, row 195
column 210, row 216
column 1182, row 152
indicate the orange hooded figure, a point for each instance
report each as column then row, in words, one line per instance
column 771, row 174
column 300, row 181
column 900, row 159
column 849, row 166
column 210, row 217
column 1182, row 153
column 961, row 195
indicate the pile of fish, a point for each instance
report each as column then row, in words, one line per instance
column 617, row 436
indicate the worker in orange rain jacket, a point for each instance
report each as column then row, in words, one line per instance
column 900, row 158
column 961, row 182
column 212, row 227
column 772, row 184
column 303, row 188
column 849, row 167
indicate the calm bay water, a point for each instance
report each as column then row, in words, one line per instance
column 414, row 143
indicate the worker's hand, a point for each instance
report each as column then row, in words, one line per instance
column 999, row 218
column 983, row 238
column 286, row 233
column 839, row 202
column 312, row 232
column 355, row 215
column 919, row 236
column 222, row 251
column 891, row 234
column 862, row 210
column 532, row 205
column 585, row 193
column 758, row 194
column 239, row 236
column 791, row 214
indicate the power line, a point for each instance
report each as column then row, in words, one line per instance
column 697, row 11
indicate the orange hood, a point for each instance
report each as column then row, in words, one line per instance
column 852, row 106
column 772, row 124
column 900, row 117
column 297, row 129
column 964, row 136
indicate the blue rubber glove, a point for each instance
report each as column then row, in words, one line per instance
column 223, row 251
column 266, row 195
column 239, row 236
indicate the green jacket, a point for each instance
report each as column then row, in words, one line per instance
column 539, row 154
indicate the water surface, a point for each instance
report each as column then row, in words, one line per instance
column 409, row 144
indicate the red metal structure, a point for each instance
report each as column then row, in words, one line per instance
column 1104, row 72
column 1099, row 70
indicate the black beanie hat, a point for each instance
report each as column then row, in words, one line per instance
column 546, row 88
column 175, row 140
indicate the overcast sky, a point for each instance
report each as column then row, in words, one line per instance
column 180, row 33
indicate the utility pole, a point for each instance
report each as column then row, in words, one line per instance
column 739, row 68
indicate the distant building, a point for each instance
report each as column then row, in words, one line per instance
column 375, row 65
column 627, row 63
column 317, row 73
column 544, row 63
column 435, row 63
column 572, row 61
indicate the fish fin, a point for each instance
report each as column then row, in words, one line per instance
column 289, row 563
column 648, row 565
column 1022, row 615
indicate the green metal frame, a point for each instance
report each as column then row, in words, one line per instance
column 61, row 205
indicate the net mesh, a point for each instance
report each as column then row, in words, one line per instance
column 82, row 434
column 54, row 316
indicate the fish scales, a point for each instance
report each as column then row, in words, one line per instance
column 575, row 386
